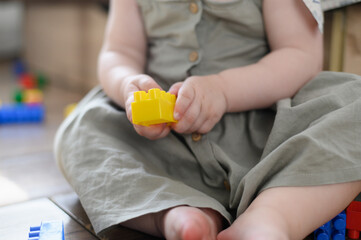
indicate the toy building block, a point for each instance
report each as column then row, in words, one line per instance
column 19, row 68
column 41, row 80
column 334, row 229
column 28, row 96
column 69, row 109
column 52, row 230
column 153, row 107
column 353, row 223
column 27, row 81
column 21, row 113
column 33, row 96
column 18, row 95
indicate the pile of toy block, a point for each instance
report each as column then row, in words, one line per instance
column 28, row 102
column 347, row 221
column 334, row 229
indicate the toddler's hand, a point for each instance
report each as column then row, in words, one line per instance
column 200, row 104
column 142, row 83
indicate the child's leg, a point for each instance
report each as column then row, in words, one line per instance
column 180, row 223
column 291, row 212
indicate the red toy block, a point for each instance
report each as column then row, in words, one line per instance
column 353, row 220
column 27, row 81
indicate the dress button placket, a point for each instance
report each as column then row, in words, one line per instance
column 194, row 9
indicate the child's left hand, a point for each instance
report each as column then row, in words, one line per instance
column 200, row 104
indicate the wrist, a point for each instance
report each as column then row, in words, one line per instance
column 220, row 85
column 116, row 84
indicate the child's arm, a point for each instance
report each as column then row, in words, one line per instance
column 123, row 52
column 296, row 56
column 122, row 61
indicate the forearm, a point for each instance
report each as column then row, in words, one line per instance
column 278, row 75
column 114, row 67
column 124, row 49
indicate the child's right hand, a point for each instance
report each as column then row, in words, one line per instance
column 136, row 83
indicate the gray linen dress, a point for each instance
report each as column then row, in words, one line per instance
column 313, row 138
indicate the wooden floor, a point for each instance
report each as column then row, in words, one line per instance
column 31, row 187
column 27, row 168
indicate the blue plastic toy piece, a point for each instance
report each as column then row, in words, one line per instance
column 19, row 68
column 21, row 113
column 52, row 230
column 332, row 230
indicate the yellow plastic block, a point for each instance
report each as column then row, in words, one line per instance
column 33, row 96
column 153, row 107
column 69, row 109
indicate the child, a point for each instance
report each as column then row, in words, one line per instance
column 265, row 146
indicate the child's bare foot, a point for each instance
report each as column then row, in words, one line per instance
column 189, row 223
column 290, row 212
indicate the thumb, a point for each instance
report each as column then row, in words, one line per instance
column 146, row 83
column 174, row 89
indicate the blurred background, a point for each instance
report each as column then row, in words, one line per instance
column 48, row 61
column 60, row 38
column 56, row 43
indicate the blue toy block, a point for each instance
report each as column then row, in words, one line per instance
column 21, row 113
column 323, row 232
column 51, row 230
column 332, row 230
column 19, row 68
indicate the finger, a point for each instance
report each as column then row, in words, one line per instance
column 129, row 98
column 152, row 132
column 198, row 123
column 146, row 83
column 174, row 89
column 213, row 117
column 164, row 133
column 148, row 131
column 185, row 98
column 206, row 126
column 188, row 119
column 128, row 107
